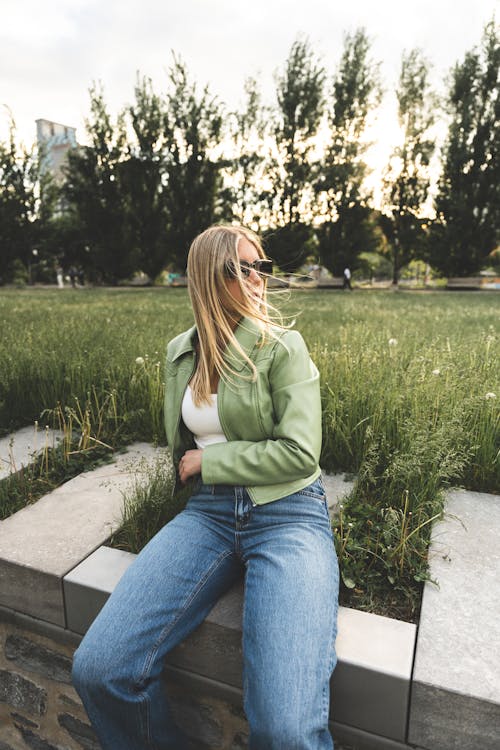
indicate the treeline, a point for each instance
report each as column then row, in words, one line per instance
column 170, row 165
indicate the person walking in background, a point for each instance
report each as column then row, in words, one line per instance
column 60, row 276
column 72, row 276
column 243, row 424
column 347, row 279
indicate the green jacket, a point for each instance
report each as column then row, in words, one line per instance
column 272, row 425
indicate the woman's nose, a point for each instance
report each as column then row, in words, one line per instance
column 254, row 277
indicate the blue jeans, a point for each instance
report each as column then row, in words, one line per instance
column 285, row 550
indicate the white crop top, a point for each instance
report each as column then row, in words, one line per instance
column 202, row 421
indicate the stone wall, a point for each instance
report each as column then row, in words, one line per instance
column 39, row 708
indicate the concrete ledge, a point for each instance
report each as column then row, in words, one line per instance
column 33, row 625
column 54, row 569
column 203, row 686
column 465, row 282
column 456, row 681
column 444, row 720
column 42, row 542
column 371, row 684
column 82, row 602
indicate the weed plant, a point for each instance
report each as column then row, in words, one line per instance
column 149, row 504
column 410, row 393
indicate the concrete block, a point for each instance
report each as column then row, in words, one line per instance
column 42, row 542
column 199, row 687
column 214, row 649
column 371, row 684
column 352, row 738
column 89, row 584
column 456, row 691
column 375, row 654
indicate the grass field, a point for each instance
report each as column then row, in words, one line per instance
column 410, row 388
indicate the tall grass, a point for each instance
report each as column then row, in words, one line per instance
column 57, row 348
column 410, row 405
column 410, row 393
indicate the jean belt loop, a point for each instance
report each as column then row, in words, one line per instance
column 213, row 489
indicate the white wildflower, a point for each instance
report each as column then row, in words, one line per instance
column 393, row 342
column 139, row 361
column 490, row 394
column 436, row 372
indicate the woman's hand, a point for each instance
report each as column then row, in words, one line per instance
column 190, row 464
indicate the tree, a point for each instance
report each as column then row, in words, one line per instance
column 407, row 178
column 193, row 126
column 467, row 226
column 143, row 175
column 347, row 228
column 94, row 190
column 246, row 172
column 300, row 100
column 19, row 171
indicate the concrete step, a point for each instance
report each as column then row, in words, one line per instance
column 456, row 681
column 41, row 543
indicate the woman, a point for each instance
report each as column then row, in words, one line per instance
column 243, row 422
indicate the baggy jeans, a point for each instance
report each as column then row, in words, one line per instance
column 286, row 552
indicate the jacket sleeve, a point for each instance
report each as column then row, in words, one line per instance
column 293, row 450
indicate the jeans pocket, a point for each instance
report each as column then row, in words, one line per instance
column 315, row 490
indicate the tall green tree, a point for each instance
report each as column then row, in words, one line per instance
column 19, row 173
column 300, row 104
column 407, row 178
column 248, row 130
column 347, row 227
column 193, row 126
column 467, row 226
column 95, row 193
column 143, row 175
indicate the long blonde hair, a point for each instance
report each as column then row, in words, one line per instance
column 216, row 311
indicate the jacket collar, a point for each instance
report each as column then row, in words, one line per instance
column 247, row 334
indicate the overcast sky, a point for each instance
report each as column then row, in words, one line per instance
column 51, row 51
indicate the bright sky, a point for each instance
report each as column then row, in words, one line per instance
column 51, row 51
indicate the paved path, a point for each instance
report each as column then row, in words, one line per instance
column 17, row 450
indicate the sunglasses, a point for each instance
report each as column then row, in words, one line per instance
column 261, row 266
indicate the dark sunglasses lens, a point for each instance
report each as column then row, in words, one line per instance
column 261, row 266
column 264, row 266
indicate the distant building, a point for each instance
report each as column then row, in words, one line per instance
column 55, row 140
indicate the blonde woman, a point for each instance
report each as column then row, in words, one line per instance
column 243, row 422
